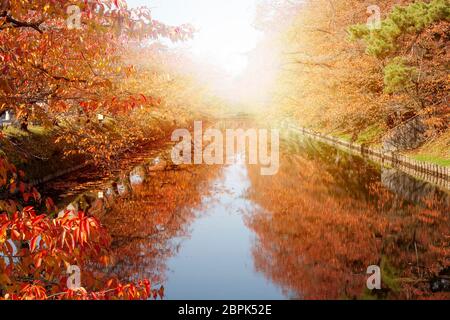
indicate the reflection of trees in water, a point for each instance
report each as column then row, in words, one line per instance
column 411, row 189
column 355, row 176
column 145, row 220
column 352, row 174
column 319, row 245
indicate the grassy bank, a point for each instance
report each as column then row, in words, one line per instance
column 42, row 151
column 436, row 150
column 35, row 152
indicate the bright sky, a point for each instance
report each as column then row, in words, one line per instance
column 226, row 33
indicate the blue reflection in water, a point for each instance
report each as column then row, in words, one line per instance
column 216, row 261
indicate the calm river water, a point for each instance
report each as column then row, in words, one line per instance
column 309, row 232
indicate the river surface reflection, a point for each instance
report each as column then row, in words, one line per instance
column 309, row 232
column 215, row 261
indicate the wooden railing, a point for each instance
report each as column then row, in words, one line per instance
column 426, row 171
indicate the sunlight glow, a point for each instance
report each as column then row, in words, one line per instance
column 225, row 28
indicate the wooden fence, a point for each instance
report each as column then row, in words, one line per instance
column 426, row 171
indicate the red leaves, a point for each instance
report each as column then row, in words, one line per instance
column 77, row 294
column 89, row 106
column 15, row 235
column 146, row 285
column 54, row 243
column 49, row 204
column 53, row 237
column 10, row 180
column 37, row 291
column 26, row 197
column 33, row 243
column 161, row 292
column 113, row 290
column 38, row 260
column 110, row 283
column 29, row 210
column 34, row 291
column 36, row 195
column 123, row 105
column 142, row 291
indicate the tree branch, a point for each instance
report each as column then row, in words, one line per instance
column 21, row 24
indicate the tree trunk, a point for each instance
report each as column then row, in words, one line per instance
column 24, row 124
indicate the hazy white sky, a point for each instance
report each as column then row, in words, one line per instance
column 226, row 31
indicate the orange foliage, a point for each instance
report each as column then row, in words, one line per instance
column 321, row 227
column 36, row 249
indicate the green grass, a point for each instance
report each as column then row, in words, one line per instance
column 33, row 130
column 15, row 132
column 35, row 152
column 343, row 136
column 370, row 134
column 38, row 130
column 436, row 151
column 432, row 159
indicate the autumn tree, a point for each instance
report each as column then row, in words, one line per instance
column 410, row 42
column 333, row 82
column 64, row 61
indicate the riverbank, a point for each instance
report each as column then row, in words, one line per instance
column 435, row 150
column 423, row 170
column 44, row 156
